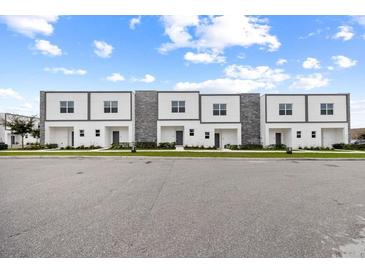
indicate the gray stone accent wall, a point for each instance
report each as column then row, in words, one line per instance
column 146, row 115
column 250, row 118
column 42, row 115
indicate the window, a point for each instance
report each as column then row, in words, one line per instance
column 110, row 106
column 97, row 132
column 313, row 134
column 191, row 132
column 82, row 133
column 219, row 109
column 285, row 109
column 207, row 135
column 299, row 134
column 326, row 109
column 67, row 106
column 177, row 106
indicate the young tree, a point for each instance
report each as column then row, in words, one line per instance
column 36, row 133
column 21, row 126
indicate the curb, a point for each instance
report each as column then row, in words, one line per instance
column 181, row 158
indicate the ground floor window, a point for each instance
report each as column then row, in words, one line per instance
column 313, row 134
column 191, row 132
column 207, row 135
column 299, row 134
column 97, row 132
column 82, row 133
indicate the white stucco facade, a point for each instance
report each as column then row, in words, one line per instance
column 306, row 126
column 89, row 124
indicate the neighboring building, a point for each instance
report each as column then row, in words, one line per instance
column 304, row 120
column 192, row 119
column 7, row 137
column 357, row 132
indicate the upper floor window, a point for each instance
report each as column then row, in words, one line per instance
column 67, row 106
column 326, row 109
column 110, row 106
column 219, row 109
column 285, row 109
column 177, row 106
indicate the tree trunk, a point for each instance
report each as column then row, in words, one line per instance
column 22, row 142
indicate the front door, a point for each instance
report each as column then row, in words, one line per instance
column 13, row 140
column 278, row 139
column 179, row 138
column 217, row 140
column 72, row 138
column 115, row 137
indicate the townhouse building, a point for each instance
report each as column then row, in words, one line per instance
column 190, row 118
column 305, row 120
column 186, row 117
column 79, row 118
column 11, row 139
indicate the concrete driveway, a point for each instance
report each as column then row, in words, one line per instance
column 118, row 207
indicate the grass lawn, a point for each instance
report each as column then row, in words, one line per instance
column 187, row 154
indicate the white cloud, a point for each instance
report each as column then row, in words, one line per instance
column 360, row 19
column 311, row 81
column 343, row 61
column 9, row 93
column 217, row 32
column 66, row 71
column 205, row 58
column 103, row 49
column 115, row 77
column 311, row 63
column 345, row 33
column 281, row 62
column 239, row 79
column 30, row 25
column 261, row 73
column 46, row 48
column 241, row 56
column 148, row 78
column 357, row 113
column 134, row 22
column 223, row 85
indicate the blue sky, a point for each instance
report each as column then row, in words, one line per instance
column 266, row 54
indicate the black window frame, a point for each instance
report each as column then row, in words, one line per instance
column 285, row 109
column 299, row 134
column 82, row 132
column 314, row 134
column 67, row 107
column 207, row 135
column 110, row 106
column 220, row 109
column 178, row 106
column 97, row 132
column 191, row 132
column 327, row 108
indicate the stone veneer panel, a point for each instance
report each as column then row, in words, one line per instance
column 42, row 114
column 250, row 118
column 146, row 114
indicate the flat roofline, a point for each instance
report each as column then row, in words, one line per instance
column 85, row 91
column 302, row 94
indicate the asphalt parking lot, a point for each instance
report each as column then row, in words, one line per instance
column 129, row 207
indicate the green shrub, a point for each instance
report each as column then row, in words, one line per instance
column 199, row 148
column 3, row 146
column 146, row 145
column 167, row 145
column 51, row 146
column 251, row 146
column 124, row 145
column 276, row 147
column 339, row 146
